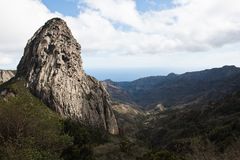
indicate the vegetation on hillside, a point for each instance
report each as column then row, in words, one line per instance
column 31, row 131
column 199, row 132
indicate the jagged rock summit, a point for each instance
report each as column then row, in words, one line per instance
column 52, row 68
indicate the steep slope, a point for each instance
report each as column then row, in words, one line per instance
column 52, row 68
column 181, row 90
column 5, row 75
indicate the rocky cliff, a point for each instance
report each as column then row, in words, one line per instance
column 52, row 68
column 5, row 75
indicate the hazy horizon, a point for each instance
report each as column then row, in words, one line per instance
column 131, row 74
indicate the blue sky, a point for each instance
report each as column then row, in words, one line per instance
column 127, row 39
column 146, row 5
column 71, row 7
column 66, row 7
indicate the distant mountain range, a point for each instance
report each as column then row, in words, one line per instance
column 177, row 90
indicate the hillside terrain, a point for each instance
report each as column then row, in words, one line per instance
column 193, row 116
column 50, row 109
column 29, row 129
column 201, row 132
column 32, row 131
column 177, row 90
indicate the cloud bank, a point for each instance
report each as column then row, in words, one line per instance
column 115, row 28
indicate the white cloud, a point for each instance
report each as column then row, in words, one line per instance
column 191, row 26
column 122, row 11
column 19, row 21
column 116, row 31
column 4, row 59
column 180, row 62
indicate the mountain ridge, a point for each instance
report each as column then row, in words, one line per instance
column 177, row 89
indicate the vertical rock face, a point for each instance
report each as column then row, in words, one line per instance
column 5, row 75
column 52, row 67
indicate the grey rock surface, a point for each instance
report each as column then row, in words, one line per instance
column 6, row 75
column 52, row 67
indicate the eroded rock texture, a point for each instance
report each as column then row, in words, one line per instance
column 52, row 67
column 5, row 75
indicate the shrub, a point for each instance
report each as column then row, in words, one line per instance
column 29, row 130
column 160, row 155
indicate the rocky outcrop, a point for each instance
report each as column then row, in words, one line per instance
column 6, row 75
column 52, row 68
column 127, row 109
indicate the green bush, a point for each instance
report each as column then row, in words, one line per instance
column 160, row 155
column 126, row 146
column 29, row 130
column 76, row 152
column 84, row 138
column 26, row 133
